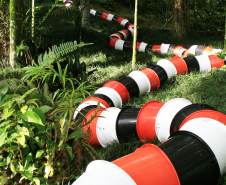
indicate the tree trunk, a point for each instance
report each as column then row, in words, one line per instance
column 225, row 33
column 85, row 14
column 33, row 20
column 4, row 31
column 135, row 36
column 16, row 29
column 77, row 21
column 12, row 19
column 181, row 20
column 187, row 15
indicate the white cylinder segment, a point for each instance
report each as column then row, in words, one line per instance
column 192, row 49
column 112, row 94
column 110, row 17
column 168, row 66
column 204, row 63
column 166, row 115
column 106, row 126
column 100, row 172
column 124, row 21
column 119, row 44
column 216, row 51
column 93, row 12
column 142, row 47
column 142, row 81
column 164, row 48
column 132, row 31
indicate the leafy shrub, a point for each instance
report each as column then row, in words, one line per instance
column 35, row 138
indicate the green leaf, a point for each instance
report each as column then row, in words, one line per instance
column 8, row 114
column 38, row 141
column 31, row 167
column 40, row 113
column 36, row 180
column 69, row 150
column 59, row 69
column 55, row 94
column 63, row 122
column 4, row 90
column 14, row 135
column 36, row 96
column 21, row 140
column 7, row 105
column 8, row 159
column 13, row 169
column 2, row 98
column 75, row 134
column 45, row 108
column 24, row 108
column 13, row 147
column 98, row 105
column 32, row 101
column 25, row 151
column 9, row 96
column 63, row 103
column 22, row 131
column 33, row 146
column 12, row 176
column 65, row 70
column 32, row 117
column 78, row 100
column 2, row 138
column 40, row 169
column 60, row 144
column 26, row 93
column 49, row 128
column 39, row 153
column 6, row 124
column 27, row 174
column 29, row 157
column 3, row 163
column 22, row 178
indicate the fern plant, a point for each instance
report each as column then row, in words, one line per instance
column 50, row 63
column 48, row 13
column 56, row 52
column 10, row 75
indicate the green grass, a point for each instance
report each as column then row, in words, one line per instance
column 208, row 88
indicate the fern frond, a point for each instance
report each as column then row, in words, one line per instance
column 60, row 10
column 47, row 95
column 4, row 64
column 11, row 73
column 48, row 13
column 46, row 91
column 6, row 82
column 58, row 51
